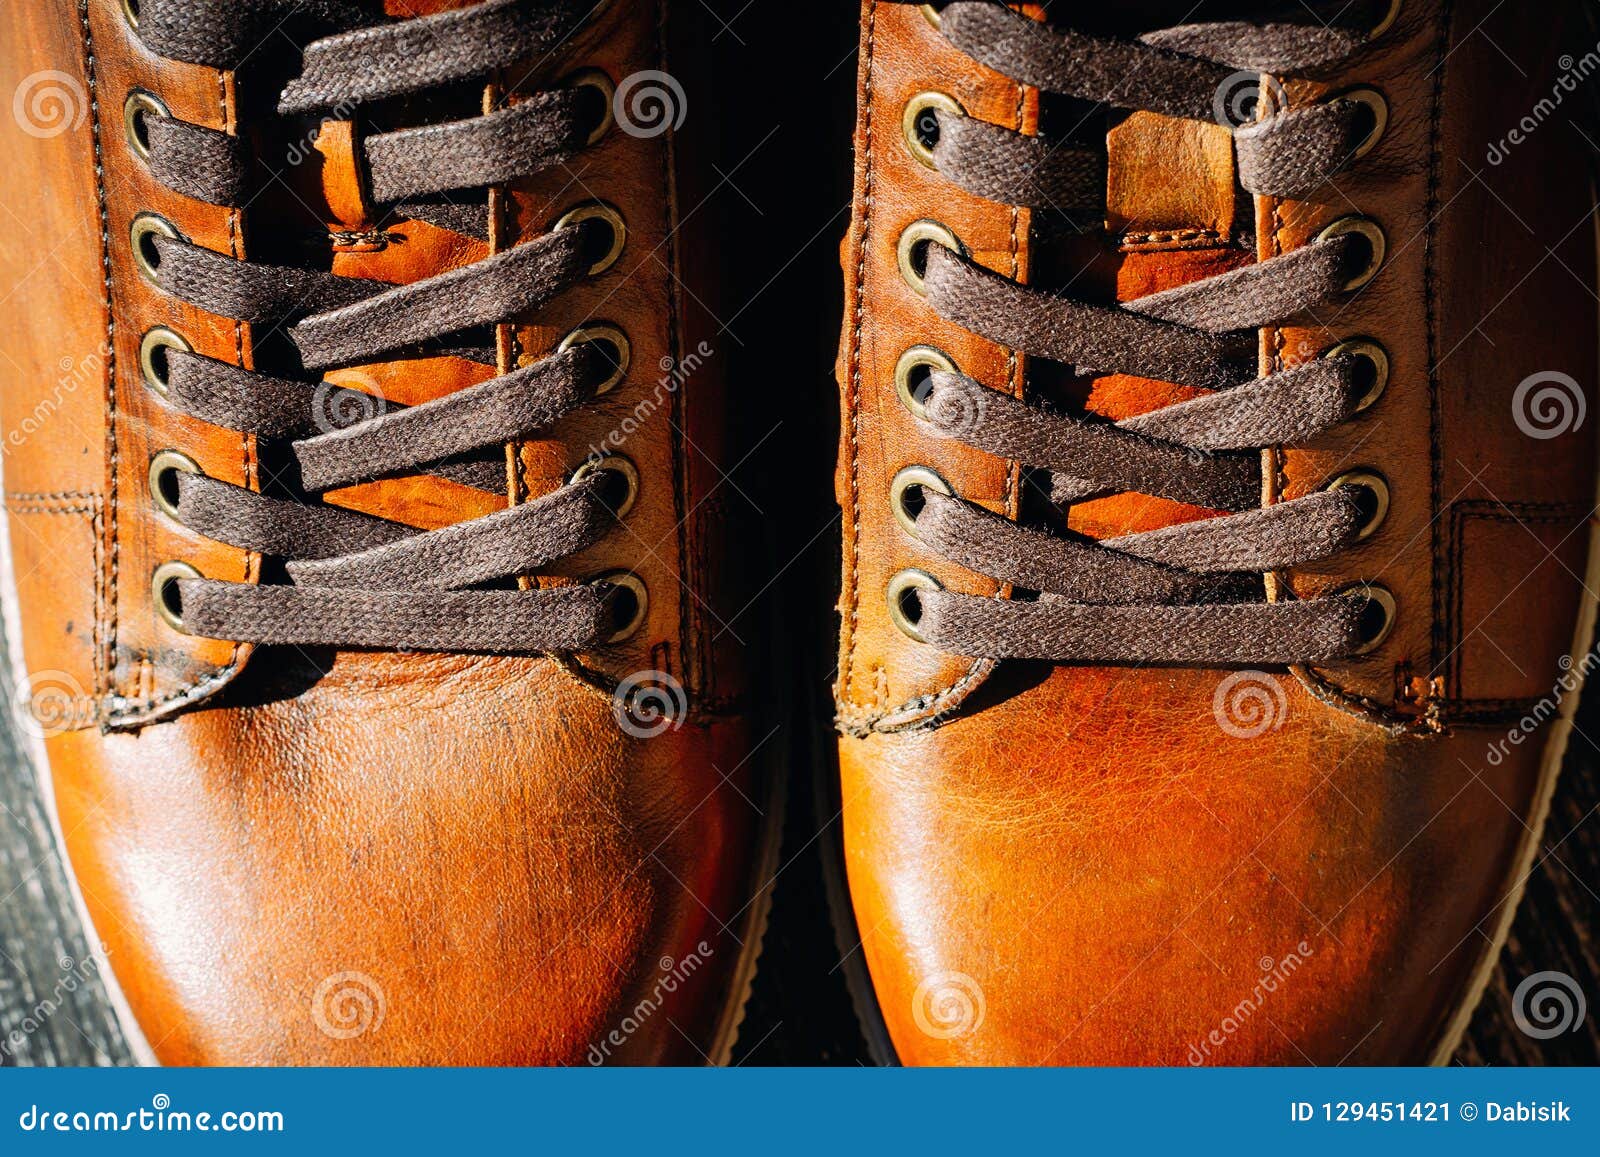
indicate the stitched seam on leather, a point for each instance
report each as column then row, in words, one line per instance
column 689, row 650
column 843, row 696
column 107, row 632
column 1431, row 316
column 1484, row 510
column 75, row 502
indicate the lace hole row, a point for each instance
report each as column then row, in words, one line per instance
column 921, row 127
column 912, row 251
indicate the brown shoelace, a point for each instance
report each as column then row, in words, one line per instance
column 1190, row 593
column 349, row 579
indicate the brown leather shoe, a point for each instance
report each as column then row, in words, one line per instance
column 314, row 360
column 1131, row 325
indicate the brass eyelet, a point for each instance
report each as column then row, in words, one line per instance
column 153, row 346
column 598, row 211
column 130, row 13
column 906, row 383
column 1374, row 484
column 931, row 11
column 163, row 486
column 1377, row 621
column 916, row 235
column 619, row 467
column 164, row 591
column 915, row 129
column 631, row 583
column 1372, row 100
column 140, row 106
column 1377, row 246
column 596, row 79
column 909, row 479
column 603, row 333
column 1387, row 22
column 145, row 227
column 902, row 593
column 1375, row 356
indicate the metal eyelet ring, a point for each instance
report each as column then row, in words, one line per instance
column 605, row 334
column 146, row 227
column 636, row 592
column 616, row 466
column 1372, row 100
column 163, row 486
column 1377, row 247
column 1375, row 356
column 601, row 83
column 164, row 591
column 909, row 479
column 931, row 11
column 916, row 129
column 1374, row 484
column 917, row 235
column 1387, row 22
column 908, row 382
column 598, row 211
column 140, row 106
column 905, row 610
column 130, row 13
column 1377, row 620
column 153, row 365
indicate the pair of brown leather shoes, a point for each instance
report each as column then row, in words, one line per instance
column 1216, row 483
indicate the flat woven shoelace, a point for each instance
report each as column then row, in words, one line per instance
column 1185, row 594
column 356, row 580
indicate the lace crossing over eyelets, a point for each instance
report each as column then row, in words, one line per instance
column 1376, row 245
column 921, row 127
column 164, row 469
column 615, row 348
column 618, row 498
column 142, row 233
column 1377, row 359
column 130, row 13
column 153, row 365
column 913, row 251
column 594, row 80
column 1377, row 618
column 136, row 111
column 911, row 374
column 632, row 603
column 905, row 602
column 905, row 494
column 1372, row 496
column 1377, row 109
column 603, row 257
column 164, row 591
